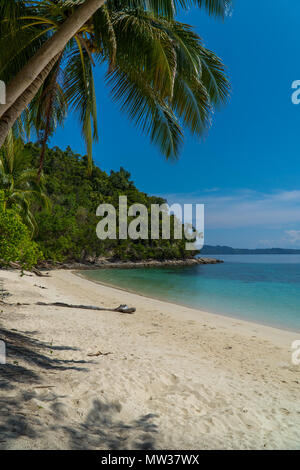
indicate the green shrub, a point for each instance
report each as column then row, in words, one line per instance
column 15, row 242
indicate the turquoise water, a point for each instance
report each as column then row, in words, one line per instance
column 259, row 288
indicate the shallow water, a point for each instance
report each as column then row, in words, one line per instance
column 259, row 288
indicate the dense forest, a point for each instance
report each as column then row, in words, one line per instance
column 66, row 228
column 158, row 72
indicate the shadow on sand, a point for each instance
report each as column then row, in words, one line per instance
column 102, row 429
column 20, row 416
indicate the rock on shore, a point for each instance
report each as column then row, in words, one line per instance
column 108, row 263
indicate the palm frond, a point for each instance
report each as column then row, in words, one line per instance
column 147, row 110
column 168, row 8
column 79, row 90
column 158, row 69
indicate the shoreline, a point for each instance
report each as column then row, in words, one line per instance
column 177, row 304
column 166, row 377
column 103, row 263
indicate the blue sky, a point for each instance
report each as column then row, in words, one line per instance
column 247, row 169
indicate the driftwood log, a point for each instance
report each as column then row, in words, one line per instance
column 121, row 308
column 62, row 304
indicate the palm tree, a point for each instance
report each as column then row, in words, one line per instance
column 157, row 68
column 47, row 110
column 21, row 189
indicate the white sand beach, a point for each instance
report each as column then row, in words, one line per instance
column 169, row 377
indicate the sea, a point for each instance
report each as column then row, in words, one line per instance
column 259, row 288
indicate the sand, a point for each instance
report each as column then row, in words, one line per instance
column 169, row 377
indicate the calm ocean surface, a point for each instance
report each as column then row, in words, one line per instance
column 260, row 288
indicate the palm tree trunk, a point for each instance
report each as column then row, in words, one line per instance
column 48, row 51
column 15, row 111
column 43, row 151
column 45, row 139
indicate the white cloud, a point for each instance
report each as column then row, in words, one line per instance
column 293, row 236
column 211, row 190
column 246, row 208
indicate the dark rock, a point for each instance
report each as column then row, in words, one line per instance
column 102, row 262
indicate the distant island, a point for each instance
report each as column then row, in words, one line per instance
column 228, row 250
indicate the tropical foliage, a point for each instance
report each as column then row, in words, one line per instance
column 158, row 71
column 18, row 181
column 15, row 242
column 157, row 68
column 68, row 230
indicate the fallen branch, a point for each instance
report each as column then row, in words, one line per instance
column 99, row 353
column 44, row 386
column 121, row 308
column 15, row 265
column 18, row 304
column 39, row 273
